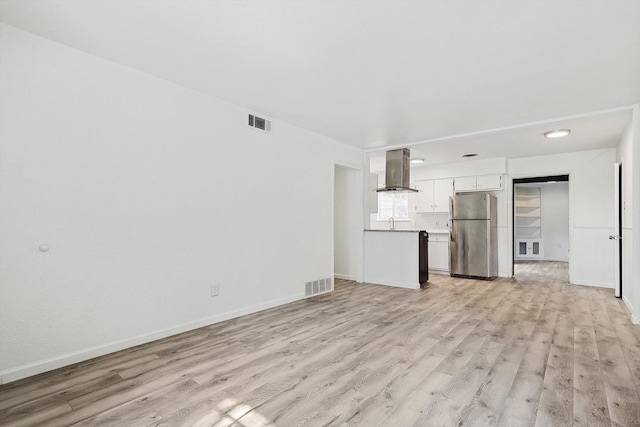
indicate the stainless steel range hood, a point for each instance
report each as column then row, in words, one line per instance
column 397, row 171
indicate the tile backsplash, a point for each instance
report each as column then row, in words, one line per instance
column 417, row 221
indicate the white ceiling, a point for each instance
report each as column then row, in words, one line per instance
column 589, row 132
column 379, row 73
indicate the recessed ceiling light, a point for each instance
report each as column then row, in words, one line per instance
column 558, row 133
column 416, row 160
column 469, row 155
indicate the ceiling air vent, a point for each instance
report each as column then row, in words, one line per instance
column 260, row 123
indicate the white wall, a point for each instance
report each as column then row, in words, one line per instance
column 555, row 221
column 346, row 223
column 147, row 193
column 635, row 214
column 592, row 260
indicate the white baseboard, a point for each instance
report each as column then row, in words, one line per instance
column 592, row 283
column 439, row 271
column 394, row 284
column 634, row 319
column 344, row 276
column 45, row 365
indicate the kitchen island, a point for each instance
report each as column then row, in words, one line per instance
column 396, row 257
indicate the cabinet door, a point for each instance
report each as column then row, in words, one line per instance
column 465, row 183
column 424, row 198
column 443, row 253
column 442, row 189
column 529, row 249
column 438, row 254
column 489, row 182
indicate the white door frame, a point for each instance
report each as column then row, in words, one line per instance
column 510, row 225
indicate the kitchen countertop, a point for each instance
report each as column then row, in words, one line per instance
column 430, row 231
column 396, row 231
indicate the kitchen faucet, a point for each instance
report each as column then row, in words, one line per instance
column 392, row 223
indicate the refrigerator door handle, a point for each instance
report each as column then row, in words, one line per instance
column 451, row 215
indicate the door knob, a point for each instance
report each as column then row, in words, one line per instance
column 615, row 237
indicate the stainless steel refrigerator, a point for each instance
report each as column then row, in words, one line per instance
column 473, row 242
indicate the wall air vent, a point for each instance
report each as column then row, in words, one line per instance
column 260, row 123
column 316, row 287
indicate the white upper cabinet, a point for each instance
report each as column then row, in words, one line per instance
column 424, row 199
column 442, row 190
column 465, row 183
column 434, row 195
column 489, row 182
column 478, row 183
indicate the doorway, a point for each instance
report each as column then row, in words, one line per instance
column 540, row 219
column 346, row 222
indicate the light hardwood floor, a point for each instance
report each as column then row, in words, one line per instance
column 531, row 351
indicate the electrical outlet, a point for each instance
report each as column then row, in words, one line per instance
column 215, row 290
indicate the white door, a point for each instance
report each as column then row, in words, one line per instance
column 617, row 231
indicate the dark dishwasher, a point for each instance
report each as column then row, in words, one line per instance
column 423, row 257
